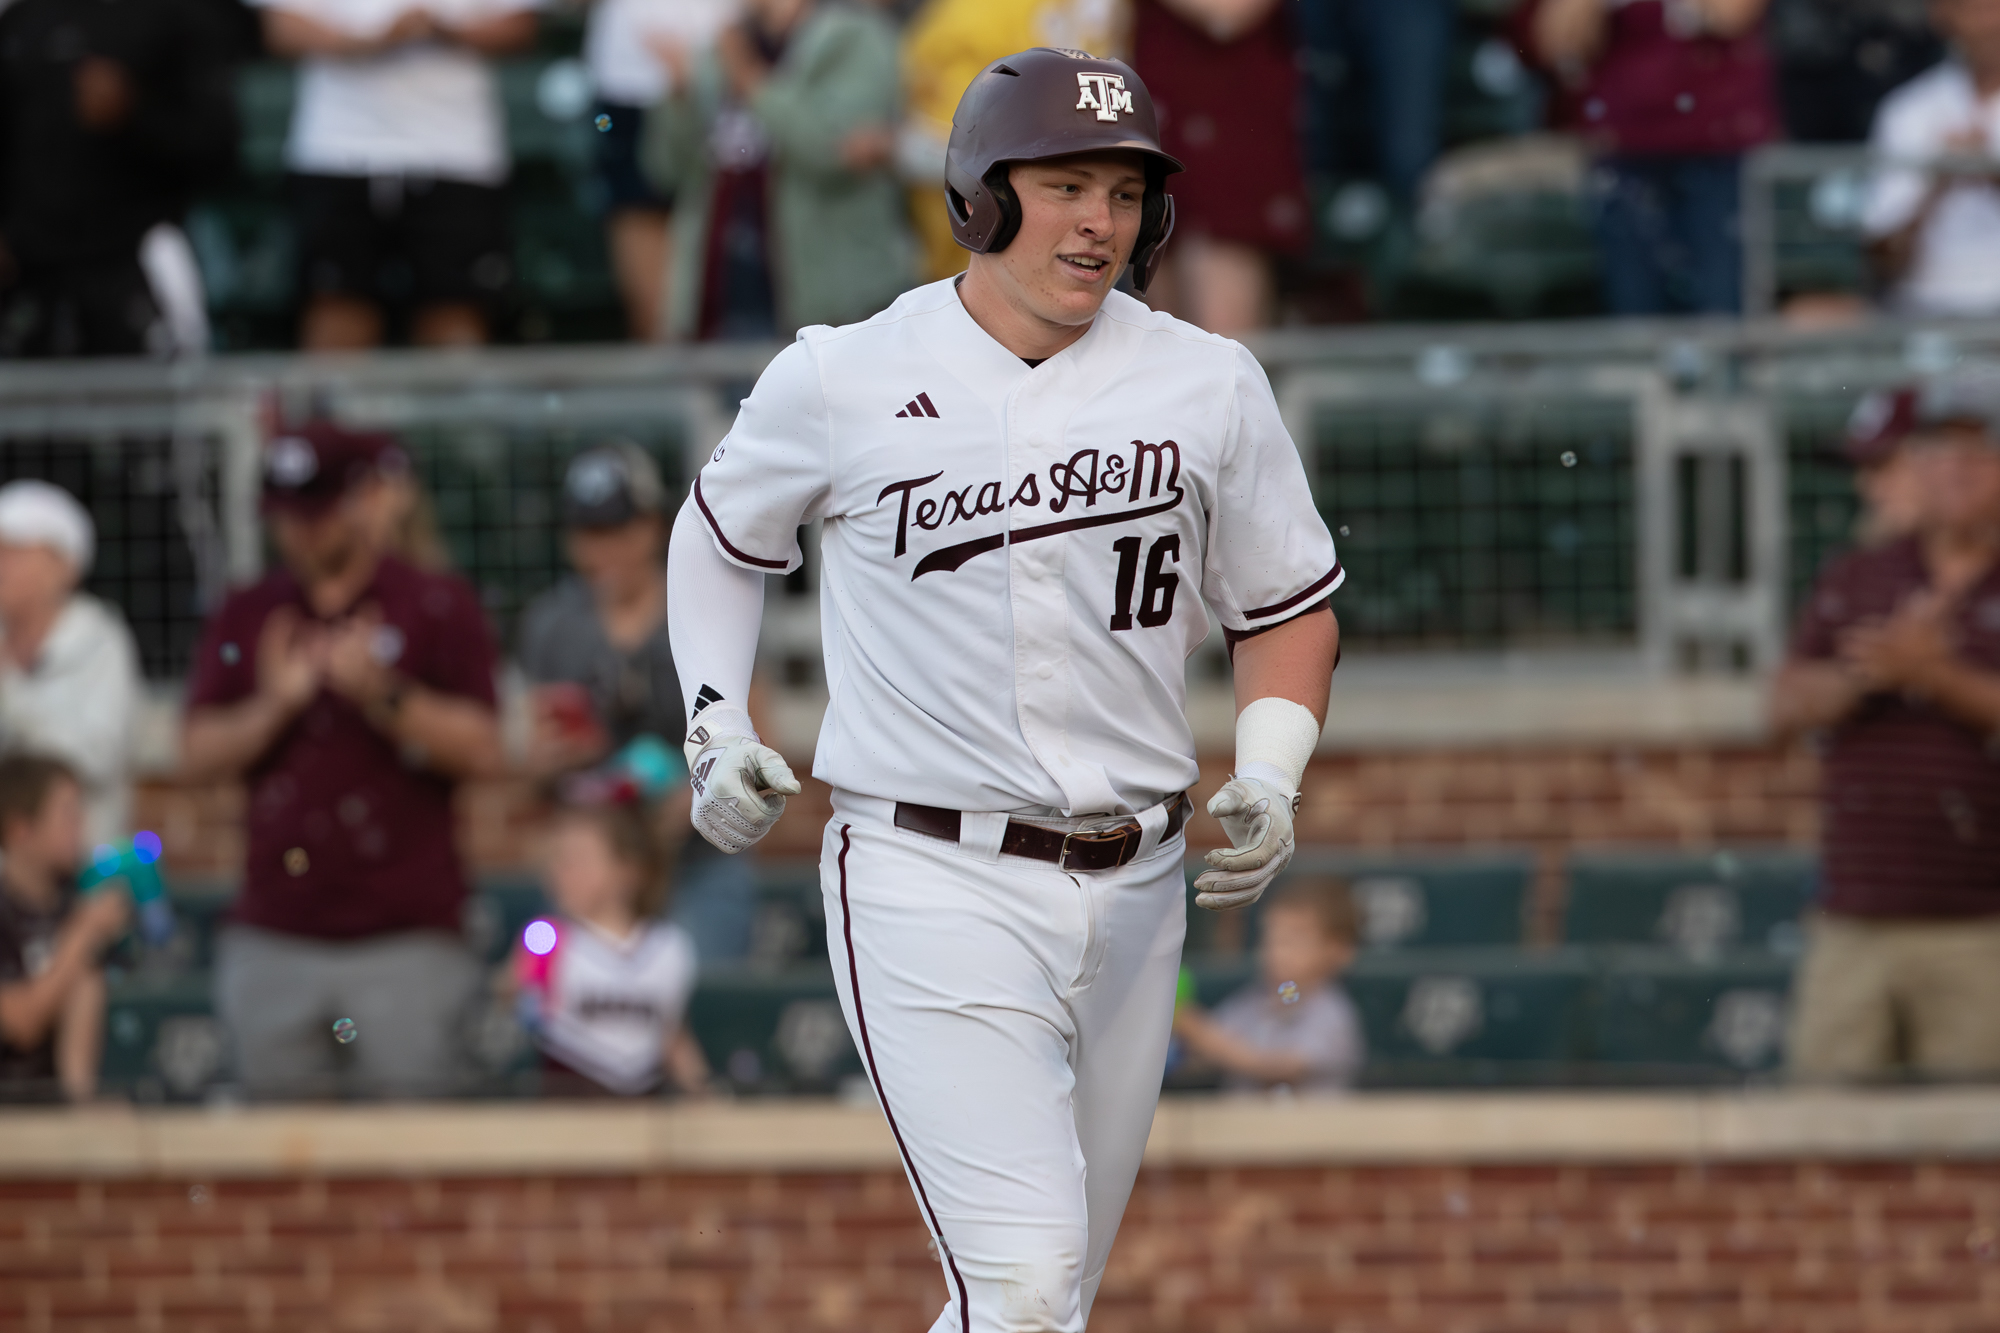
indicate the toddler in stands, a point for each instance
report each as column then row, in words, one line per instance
column 1293, row 1027
column 52, row 939
column 603, row 982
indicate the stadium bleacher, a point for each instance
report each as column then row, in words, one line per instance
column 243, row 234
column 1674, row 969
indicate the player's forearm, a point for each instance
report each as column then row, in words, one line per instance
column 80, row 1037
column 1967, row 693
column 685, row 1063
column 1233, row 1055
column 1568, row 32
column 1809, row 695
column 456, row 736
column 497, row 36
column 29, row 1008
column 295, row 36
column 714, row 612
column 1292, row 661
column 222, row 742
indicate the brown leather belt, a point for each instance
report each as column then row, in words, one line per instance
column 1083, row 849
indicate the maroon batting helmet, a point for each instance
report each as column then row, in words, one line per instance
column 1046, row 103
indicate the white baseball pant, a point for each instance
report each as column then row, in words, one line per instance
column 1013, row 1019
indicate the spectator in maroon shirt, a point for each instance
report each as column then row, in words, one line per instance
column 1897, row 660
column 350, row 692
column 1669, row 95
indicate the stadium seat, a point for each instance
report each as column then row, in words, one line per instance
column 1699, row 904
column 774, row 1032
column 1680, row 1017
column 1405, row 902
column 500, row 906
column 162, row 1042
column 1473, row 1004
column 1453, row 1017
column 199, row 909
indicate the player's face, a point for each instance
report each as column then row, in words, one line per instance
column 618, row 561
column 1971, row 22
column 1296, row 947
column 53, row 837
column 318, row 545
column 1079, row 223
column 1960, row 471
column 585, row 879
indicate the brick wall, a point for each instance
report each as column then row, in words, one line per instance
column 1550, row 799
column 1908, row 1247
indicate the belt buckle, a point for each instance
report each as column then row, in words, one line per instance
column 1125, row 834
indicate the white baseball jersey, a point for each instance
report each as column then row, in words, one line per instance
column 1014, row 558
column 611, row 1003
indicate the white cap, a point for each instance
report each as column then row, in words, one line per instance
column 35, row 513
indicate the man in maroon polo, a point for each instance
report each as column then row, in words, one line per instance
column 350, row 692
column 1897, row 660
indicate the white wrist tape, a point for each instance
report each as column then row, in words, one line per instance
column 1274, row 739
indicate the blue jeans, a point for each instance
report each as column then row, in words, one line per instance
column 1668, row 230
column 1401, row 52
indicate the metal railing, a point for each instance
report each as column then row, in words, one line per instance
column 1655, row 491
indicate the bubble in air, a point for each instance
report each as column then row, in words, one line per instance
column 146, row 846
column 344, row 1031
column 231, row 654
column 539, row 938
column 603, row 123
column 1288, row 992
column 198, row 1195
column 1568, row 459
column 1343, row 529
column 297, row 862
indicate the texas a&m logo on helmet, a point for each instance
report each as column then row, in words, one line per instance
column 1103, row 93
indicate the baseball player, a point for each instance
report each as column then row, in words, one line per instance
column 1030, row 485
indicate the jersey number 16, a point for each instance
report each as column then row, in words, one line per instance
column 1156, row 598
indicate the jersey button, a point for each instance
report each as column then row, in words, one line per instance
column 1045, row 671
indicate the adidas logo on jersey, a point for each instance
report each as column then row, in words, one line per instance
column 920, row 406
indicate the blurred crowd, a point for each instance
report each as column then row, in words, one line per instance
column 353, row 688
column 765, row 164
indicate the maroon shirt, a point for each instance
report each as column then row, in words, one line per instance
column 1228, row 110
column 1911, row 799
column 1652, row 92
column 346, row 838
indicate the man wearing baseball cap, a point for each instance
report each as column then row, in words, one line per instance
column 1896, row 659
column 69, row 671
column 595, row 645
column 350, row 692
column 1885, row 474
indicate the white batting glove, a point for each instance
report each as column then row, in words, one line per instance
column 740, row 783
column 1257, row 816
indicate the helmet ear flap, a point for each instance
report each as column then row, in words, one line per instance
column 996, row 183
column 1156, row 224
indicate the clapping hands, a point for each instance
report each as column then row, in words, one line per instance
column 354, row 658
column 1902, row 652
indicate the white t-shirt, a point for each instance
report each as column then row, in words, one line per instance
column 1955, row 267
column 617, row 48
column 1322, row 1028
column 428, row 109
column 611, row 1004
column 78, row 704
column 1014, row 560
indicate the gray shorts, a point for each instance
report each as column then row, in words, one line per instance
column 407, row 996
